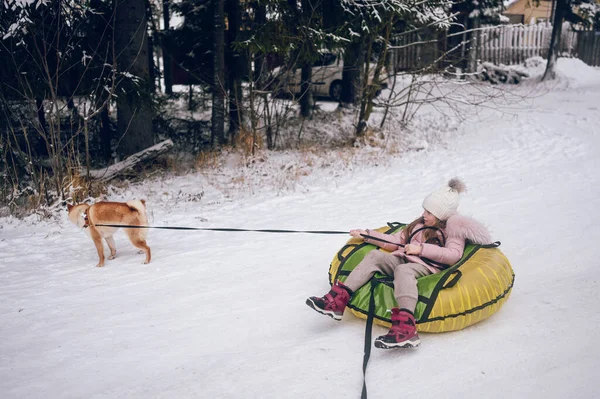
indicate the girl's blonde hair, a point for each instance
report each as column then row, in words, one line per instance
column 430, row 236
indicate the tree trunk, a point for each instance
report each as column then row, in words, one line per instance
column 306, row 96
column 235, row 109
column 259, row 61
column 151, row 66
column 41, row 140
column 260, row 69
column 134, row 110
column 352, row 73
column 456, row 58
column 234, row 71
column 165, row 51
column 333, row 14
column 218, row 95
column 559, row 13
column 105, row 134
column 372, row 87
column 474, row 43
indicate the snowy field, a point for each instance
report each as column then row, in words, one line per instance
column 222, row 315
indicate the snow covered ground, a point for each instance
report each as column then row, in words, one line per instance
column 222, row 315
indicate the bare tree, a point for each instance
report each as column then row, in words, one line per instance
column 62, row 80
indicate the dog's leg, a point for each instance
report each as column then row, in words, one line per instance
column 111, row 244
column 138, row 239
column 98, row 243
column 142, row 244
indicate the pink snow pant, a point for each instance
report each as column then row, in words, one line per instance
column 405, row 276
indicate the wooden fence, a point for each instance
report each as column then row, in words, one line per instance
column 588, row 47
column 502, row 44
column 414, row 51
column 512, row 44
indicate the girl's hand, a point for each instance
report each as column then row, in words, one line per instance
column 413, row 249
column 357, row 233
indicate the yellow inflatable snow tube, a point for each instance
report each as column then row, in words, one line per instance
column 464, row 294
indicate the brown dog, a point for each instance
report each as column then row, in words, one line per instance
column 131, row 213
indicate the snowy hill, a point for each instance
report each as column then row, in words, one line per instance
column 222, row 315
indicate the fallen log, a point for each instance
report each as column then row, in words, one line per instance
column 500, row 73
column 115, row 170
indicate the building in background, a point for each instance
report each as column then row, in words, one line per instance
column 528, row 12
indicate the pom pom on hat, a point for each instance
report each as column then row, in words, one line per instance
column 457, row 185
column 443, row 203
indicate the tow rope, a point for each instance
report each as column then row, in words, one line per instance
column 222, row 229
column 368, row 335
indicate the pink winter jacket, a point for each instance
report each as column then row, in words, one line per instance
column 458, row 229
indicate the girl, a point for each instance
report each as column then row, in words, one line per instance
column 429, row 244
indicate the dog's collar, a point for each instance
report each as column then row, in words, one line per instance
column 86, row 220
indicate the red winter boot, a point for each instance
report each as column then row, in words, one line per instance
column 403, row 333
column 333, row 303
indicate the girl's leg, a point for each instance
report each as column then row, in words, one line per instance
column 403, row 333
column 405, row 284
column 374, row 261
column 334, row 303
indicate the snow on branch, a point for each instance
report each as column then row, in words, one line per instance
column 21, row 19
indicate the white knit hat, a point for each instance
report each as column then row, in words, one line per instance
column 443, row 203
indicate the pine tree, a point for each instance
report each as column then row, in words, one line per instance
column 218, row 87
column 134, row 101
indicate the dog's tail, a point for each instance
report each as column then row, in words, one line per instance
column 138, row 206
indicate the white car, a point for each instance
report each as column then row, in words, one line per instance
column 326, row 78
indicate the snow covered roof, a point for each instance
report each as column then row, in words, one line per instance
column 508, row 3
